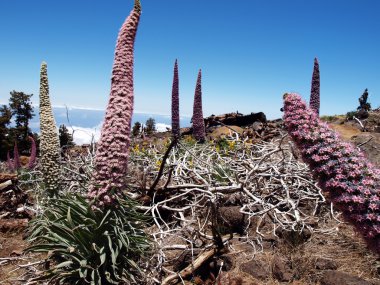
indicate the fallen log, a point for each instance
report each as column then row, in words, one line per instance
column 5, row 184
column 6, row 176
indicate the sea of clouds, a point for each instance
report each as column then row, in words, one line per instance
column 85, row 124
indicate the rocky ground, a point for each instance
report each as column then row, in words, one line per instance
column 327, row 252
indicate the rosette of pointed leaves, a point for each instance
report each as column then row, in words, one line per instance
column 315, row 88
column 49, row 145
column 341, row 169
column 198, row 121
column 175, row 103
column 33, row 153
column 112, row 148
column 16, row 158
column 85, row 246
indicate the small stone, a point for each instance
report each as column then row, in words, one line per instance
column 256, row 269
column 230, row 220
column 332, row 277
column 282, row 270
column 257, row 126
column 16, row 253
column 325, row 264
column 20, row 210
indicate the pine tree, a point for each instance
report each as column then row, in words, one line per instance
column 65, row 138
column 22, row 110
column 5, row 119
column 364, row 107
column 150, row 126
column 136, row 129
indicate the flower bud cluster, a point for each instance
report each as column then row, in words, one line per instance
column 341, row 169
column 198, row 121
column 33, row 153
column 175, row 103
column 49, row 144
column 112, row 149
column 315, row 88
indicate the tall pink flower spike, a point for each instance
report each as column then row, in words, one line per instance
column 315, row 88
column 341, row 169
column 175, row 103
column 112, row 149
column 198, row 121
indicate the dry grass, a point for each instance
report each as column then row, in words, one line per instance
column 345, row 131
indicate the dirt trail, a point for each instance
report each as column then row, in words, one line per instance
column 345, row 131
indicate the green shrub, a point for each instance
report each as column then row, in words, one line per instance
column 222, row 143
column 87, row 246
column 350, row 115
column 327, row 118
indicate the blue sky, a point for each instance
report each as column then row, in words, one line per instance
column 250, row 51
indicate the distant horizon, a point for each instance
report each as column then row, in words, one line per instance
column 88, row 122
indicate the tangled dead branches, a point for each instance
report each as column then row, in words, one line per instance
column 213, row 196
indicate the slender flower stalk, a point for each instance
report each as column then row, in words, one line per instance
column 16, row 158
column 33, row 153
column 315, row 88
column 49, row 145
column 198, row 121
column 352, row 182
column 175, row 103
column 112, row 149
column 10, row 162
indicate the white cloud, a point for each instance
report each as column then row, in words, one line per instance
column 160, row 127
column 71, row 107
column 85, row 135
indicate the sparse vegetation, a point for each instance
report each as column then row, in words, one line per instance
column 222, row 205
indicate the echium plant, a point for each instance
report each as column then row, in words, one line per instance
column 315, row 88
column 14, row 164
column 49, row 145
column 99, row 241
column 112, row 149
column 33, row 153
column 10, row 164
column 16, row 157
column 341, row 169
column 175, row 103
column 198, row 121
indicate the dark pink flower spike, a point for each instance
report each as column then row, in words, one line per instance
column 175, row 103
column 315, row 88
column 33, row 153
column 341, row 169
column 112, row 149
column 198, row 121
column 16, row 158
column 10, row 163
